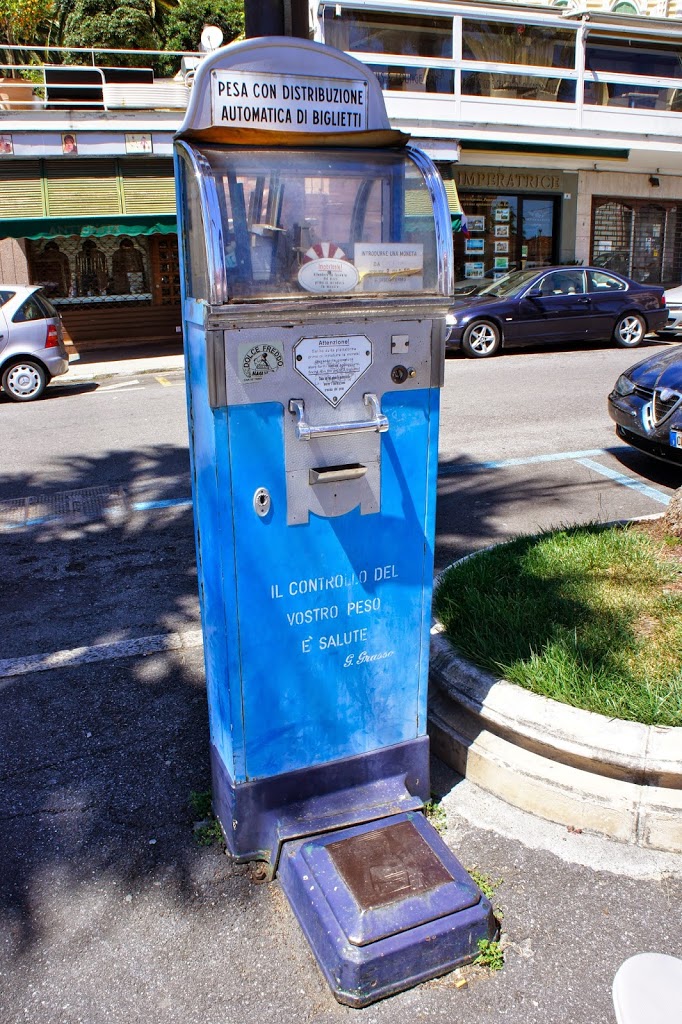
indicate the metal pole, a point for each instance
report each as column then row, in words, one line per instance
column 276, row 18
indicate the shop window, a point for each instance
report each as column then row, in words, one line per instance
column 75, row 271
column 517, row 87
column 401, row 35
column 506, row 232
column 165, row 270
column 638, row 239
column 631, row 58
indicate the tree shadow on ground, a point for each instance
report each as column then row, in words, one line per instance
column 97, row 761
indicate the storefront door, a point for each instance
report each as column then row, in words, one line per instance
column 506, row 232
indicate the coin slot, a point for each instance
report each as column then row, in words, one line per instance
column 335, row 474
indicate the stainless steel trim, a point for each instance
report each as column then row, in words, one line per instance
column 441, row 211
column 215, row 369
column 438, row 338
column 212, row 222
column 336, row 474
column 308, row 432
column 290, row 314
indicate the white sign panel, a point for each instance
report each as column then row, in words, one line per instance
column 390, row 266
column 292, row 103
column 324, row 277
column 333, row 365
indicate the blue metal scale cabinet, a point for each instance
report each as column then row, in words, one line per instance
column 316, row 256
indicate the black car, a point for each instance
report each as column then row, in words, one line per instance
column 530, row 307
column 646, row 405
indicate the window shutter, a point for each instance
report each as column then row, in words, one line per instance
column 82, row 188
column 21, row 193
column 148, row 186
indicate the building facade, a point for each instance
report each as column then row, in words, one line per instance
column 558, row 127
column 562, row 123
column 87, row 199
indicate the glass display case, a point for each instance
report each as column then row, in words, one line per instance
column 300, row 223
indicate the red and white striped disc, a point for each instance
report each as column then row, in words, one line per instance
column 324, row 251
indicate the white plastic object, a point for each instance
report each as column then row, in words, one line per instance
column 647, row 989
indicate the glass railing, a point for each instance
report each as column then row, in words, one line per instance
column 547, row 59
column 100, row 79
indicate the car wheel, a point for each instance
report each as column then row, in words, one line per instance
column 629, row 330
column 24, row 380
column 481, row 339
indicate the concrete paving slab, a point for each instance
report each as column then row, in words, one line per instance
column 111, row 911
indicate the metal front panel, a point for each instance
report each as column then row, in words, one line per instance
column 300, row 369
column 333, row 614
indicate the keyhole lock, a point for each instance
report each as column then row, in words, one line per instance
column 399, row 374
column 261, row 501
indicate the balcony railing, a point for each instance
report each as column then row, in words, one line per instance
column 456, row 63
column 563, row 73
column 96, row 79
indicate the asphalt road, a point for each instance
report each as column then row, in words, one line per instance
column 110, row 911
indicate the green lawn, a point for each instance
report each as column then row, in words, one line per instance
column 590, row 616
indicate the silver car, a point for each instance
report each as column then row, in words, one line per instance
column 31, row 342
column 673, row 300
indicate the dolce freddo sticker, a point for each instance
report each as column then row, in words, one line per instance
column 325, row 270
column 259, row 361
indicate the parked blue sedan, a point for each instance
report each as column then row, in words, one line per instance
column 531, row 307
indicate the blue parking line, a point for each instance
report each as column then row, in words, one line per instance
column 584, row 458
column 530, row 460
column 626, row 481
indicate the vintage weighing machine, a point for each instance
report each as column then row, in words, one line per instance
column 316, row 256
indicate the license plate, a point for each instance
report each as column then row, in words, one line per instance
column 676, row 438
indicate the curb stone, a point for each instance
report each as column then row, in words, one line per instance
column 620, row 779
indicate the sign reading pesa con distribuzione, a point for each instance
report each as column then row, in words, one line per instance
column 242, row 99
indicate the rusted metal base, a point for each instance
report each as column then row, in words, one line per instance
column 257, row 817
column 384, row 906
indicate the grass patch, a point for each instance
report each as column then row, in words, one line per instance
column 490, row 955
column 200, row 803
column 485, row 883
column 435, row 813
column 207, row 830
column 589, row 616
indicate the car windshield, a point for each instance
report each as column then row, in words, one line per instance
column 509, row 285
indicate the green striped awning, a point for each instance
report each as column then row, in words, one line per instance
column 58, row 227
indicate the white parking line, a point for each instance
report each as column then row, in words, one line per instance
column 138, row 648
column 117, row 387
column 626, row 481
column 527, row 460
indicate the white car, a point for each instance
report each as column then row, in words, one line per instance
column 673, row 300
column 31, row 342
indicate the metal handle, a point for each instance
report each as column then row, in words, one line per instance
column 306, row 432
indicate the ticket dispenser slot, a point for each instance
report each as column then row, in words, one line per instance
column 316, row 257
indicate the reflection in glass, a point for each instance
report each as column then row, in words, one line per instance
column 404, row 79
column 517, row 87
column 533, row 45
column 374, row 32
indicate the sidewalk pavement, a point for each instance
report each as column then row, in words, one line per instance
column 112, row 913
column 124, row 361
